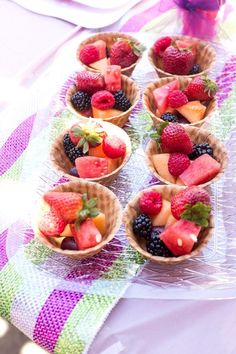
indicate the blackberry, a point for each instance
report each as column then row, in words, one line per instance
column 155, row 246
column 81, row 101
column 199, row 150
column 122, row 103
column 142, row 226
column 169, row 117
column 71, row 151
column 195, row 69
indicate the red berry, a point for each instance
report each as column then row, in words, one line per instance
column 121, row 53
column 178, row 62
column 89, row 82
column 178, row 163
column 174, row 138
column 51, row 223
column 177, row 99
column 201, row 89
column 160, row 45
column 113, row 147
column 150, row 203
column 103, row 100
column 89, row 54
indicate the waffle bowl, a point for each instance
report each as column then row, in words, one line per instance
column 63, row 164
column 109, row 38
column 132, row 92
column 138, row 243
column 198, row 136
column 150, row 106
column 107, row 202
column 205, row 58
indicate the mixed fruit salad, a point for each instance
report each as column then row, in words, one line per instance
column 92, row 151
column 72, row 220
column 177, row 57
column 170, row 228
column 98, row 55
column 181, row 161
column 184, row 106
column 100, row 96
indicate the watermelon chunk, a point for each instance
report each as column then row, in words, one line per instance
column 161, row 94
column 87, row 235
column 91, row 166
column 112, row 76
column 201, row 170
column 180, row 237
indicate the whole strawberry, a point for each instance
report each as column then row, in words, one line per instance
column 192, row 204
column 89, row 82
column 173, row 138
column 51, row 223
column 177, row 61
column 178, row 163
column 201, row 88
column 124, row 53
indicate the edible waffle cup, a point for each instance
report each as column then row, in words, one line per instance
column 205, row 58
column 132, row 92
column 150, row 105
column 131, row 212
column 198, row 136
column 107, row 202
column 63, row 164
column 109, row 38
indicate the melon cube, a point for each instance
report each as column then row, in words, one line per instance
column 161, row 218
column 193, row 111
column 160, row 162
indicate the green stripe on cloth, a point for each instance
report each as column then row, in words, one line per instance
column 36, row 252
column 15, row 171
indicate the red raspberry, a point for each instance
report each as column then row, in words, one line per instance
column 178, row 163
column 177, row 99
column 150, row 203
column 103, row 100
column 89, row 54
column 160, row 45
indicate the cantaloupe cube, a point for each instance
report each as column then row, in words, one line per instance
column 160, row 162
column 113, row 164
column 100, row 65
column 66, row 232
column 170, row 221
column 193, row 111
column 108, row 113
column 97, row 151
column 161, row 218
column 100, row 222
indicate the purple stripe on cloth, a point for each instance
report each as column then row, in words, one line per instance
column 226, row 80
column 3, row 255
column 16, row 144
column 28, row 236
column 53, row 317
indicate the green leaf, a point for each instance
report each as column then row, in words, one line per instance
column 91, row 203
column 198, row 213
column 94, row 212
column 77, row 131
column 84, row 198
column 86, row 147
column 138, row 49
column 81, row 142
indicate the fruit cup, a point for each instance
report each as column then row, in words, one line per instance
column 132, row 210
column 197, row 136
column 205, row 57
column 109, row 38
column 150, row 104
column 131, row 91
column 62, row 163
column 107, row 203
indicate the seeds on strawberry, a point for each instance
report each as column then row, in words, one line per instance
column 122, row 53
column 178, row 62
column 89, row 54
column 201, row 88
column 89, row 82
column 174, row 138
column 160, row 45
column 103, row 100
column 114, row 147
column 177, row 99
column 178, row 163
column 51, row 223
column 150, row 203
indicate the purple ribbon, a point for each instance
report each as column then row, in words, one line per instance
column 193, row 5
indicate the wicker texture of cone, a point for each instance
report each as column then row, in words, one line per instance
column 138, row 243
column 198, row 136
column 107, row 202
column 150, row 105
column 205, row 58
column 109, row 38
column 132, row 92
column 63, row 164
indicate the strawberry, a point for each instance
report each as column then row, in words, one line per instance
column 176, row 99
column 87, row 235
column 103, row 100
column 201, row 88
column 125, row 53
column 176, row 61
column 51, row 223
column 67, row 204
column 114, row 147
column 89, row 82
column 192, row 204
column 150, row 203
column 178, row 163
column 160, row 45
column 173, row 138
column 89, row 54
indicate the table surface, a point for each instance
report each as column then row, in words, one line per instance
column 134, row 326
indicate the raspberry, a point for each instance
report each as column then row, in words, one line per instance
column 178, row 163
column 103, row 100
column 150, row 203
column 89, row 54
column 177, row 99
column 160, row 45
